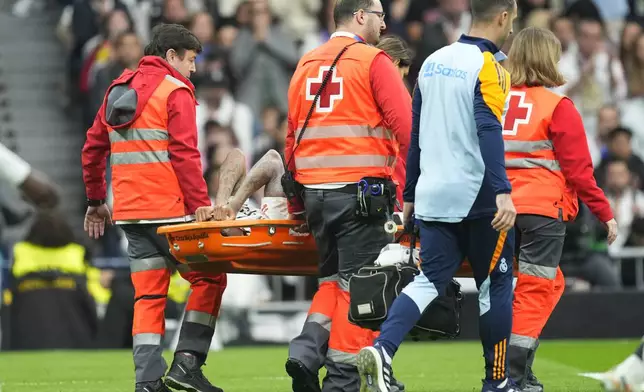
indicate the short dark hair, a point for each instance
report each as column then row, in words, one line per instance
column 620, row 131
column 50, row 229
column 344, row 9
column 172, row 36
column 486, row 10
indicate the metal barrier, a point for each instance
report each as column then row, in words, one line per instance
column 637, row 255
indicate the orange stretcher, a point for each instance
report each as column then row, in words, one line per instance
column 270, row 248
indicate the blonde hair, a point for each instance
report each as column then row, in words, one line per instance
column 533, row 59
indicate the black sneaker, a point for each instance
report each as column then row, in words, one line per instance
column 151, row 386
column 532, row 383
column 396, row 386
column 185, row 375
column 303, row 379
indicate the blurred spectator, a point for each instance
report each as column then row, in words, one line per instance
column 630, row 32
column 564, row 29
column 607, row 119
column 527, row 7
column 299, row 16
column 217, row 104
column 396, row 11
column 594, row 74
column 84, row 24
column 174, row 11
column 626, row 200
column 226, row 35
column 635, row 67
column 585, row 259
column 220, row 141
column 125, row 54
column 97, row 52
column 202, row 26
column 441, row 26
column 274, row 127
column 619, row 147
column 51, row 306
column 263, row 58
column 417, row 13
column 325, row 28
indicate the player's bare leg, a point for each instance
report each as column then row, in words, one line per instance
column 231, row 174
column 267, row 173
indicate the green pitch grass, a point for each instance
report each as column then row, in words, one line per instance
column 441, row 367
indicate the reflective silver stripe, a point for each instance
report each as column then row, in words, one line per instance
column 523, row 341
column 343, row 284
column 344, row 131
column 321, row 319
column 146, row 339
column 134, row 134
column 149, row 264
column 337, row 356
column 332, row 278
column 128, row 158
column 539, row 271
column 527, row 146
column 193, row 316
column 175, row 81
column 329, row 161
column 530, row 163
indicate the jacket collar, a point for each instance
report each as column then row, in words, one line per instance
column 159, row 63
column 484, row 44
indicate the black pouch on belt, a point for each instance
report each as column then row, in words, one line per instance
column 376, row 198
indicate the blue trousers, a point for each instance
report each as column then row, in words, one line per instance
column 443, row 247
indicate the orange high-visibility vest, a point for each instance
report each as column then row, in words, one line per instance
column 144, row 184
column 538, row 185
column 344, row 140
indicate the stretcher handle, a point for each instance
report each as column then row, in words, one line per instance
column 412, row 230
column 228, row 225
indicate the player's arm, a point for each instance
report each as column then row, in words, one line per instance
column 182, row 148
column 94, row 158
column 392, row 99
column 18, row 173
column 490, row 93
column 413, row 156
column 571, row 150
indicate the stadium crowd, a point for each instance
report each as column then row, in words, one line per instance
column 251, row 48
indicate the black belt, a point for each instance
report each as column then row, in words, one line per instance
column 351, row 189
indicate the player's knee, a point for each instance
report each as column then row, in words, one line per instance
column 236, row 154
column 275, row 160
column 273, row 156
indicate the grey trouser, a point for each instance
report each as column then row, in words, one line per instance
column 539, row 287
column 151, row 266
column 345, row 244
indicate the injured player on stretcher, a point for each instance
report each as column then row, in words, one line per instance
column 236, row 187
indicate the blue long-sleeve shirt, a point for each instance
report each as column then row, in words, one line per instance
column 456, row 162
column 413, row 155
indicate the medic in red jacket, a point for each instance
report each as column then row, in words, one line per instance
column 147, row 124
